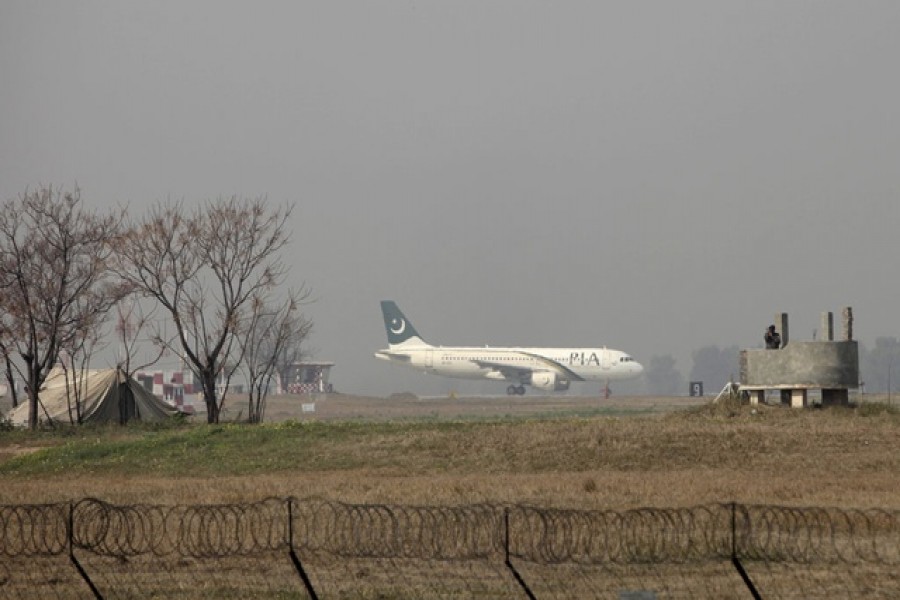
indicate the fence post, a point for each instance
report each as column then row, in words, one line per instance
column 508, row 563
column 296, row 559
column 734, row 557
column 70, row 534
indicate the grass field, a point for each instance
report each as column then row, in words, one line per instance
column 570, row 452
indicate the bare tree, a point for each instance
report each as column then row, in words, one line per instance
column 206, row 270
column 265, row 335
column 9, row 373
column 132, row 323
column 55, row 285
column 74, row 360
column 289, row 354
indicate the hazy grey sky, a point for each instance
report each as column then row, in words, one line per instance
column 652, row 176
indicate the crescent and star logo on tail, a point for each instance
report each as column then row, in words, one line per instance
column 398, row 326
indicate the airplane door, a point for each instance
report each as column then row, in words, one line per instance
column 429, row 358
column 606, row 359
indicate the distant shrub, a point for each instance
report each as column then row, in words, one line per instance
column 289, row 424
column 876, row 409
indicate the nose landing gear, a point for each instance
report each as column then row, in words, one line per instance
column 515, row 390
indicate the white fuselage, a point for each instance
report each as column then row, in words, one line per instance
column 567, row 364
column 549, row 369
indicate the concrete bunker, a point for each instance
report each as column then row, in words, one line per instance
column 826, row 364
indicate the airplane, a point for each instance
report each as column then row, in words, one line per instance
column 546, row 369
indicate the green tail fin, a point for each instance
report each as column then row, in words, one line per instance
column 398, row 327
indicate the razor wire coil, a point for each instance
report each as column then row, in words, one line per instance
column 473, row 532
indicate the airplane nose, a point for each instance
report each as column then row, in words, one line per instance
column 638, row 368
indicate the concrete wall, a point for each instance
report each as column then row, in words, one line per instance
column 819, row 365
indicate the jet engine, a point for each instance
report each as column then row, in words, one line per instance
column 547, row 381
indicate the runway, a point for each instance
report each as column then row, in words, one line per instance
column 407, row 406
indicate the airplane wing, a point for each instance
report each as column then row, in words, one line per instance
column 519, row 373
column 399, row 356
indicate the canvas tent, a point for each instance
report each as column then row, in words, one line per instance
column 107, row 395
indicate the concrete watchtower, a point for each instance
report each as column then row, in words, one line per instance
column 797, row 367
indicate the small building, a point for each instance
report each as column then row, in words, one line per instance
column 307, row 378
column 178, row 386
column 829, row 365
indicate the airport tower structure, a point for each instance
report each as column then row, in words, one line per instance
column 307, row 378
column 825, row 364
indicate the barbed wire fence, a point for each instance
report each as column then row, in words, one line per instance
column 314, row 548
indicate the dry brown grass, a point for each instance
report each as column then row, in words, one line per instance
column 770, row 455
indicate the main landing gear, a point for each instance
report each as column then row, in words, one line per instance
column 515, row 390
